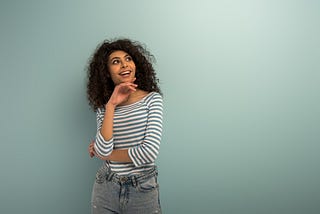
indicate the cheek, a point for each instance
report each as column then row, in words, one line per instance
column 134, row 69
column 114, row 78
column 112, row 71
column 112, row 75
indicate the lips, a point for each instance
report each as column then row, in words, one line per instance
column 125, row 73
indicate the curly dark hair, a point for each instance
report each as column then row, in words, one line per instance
column 100, row 85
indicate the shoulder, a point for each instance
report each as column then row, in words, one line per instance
column 154, row 98
column 100, row 111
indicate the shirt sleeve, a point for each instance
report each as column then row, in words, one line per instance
column 148, row 150
column 102, row 147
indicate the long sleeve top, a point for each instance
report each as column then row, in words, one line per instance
column 136, row 127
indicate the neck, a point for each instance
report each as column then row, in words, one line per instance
column 135, row 96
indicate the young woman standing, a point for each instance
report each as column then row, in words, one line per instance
column 123, row 90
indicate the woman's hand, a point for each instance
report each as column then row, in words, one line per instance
column 93, row 153
column 122, row 92
column 91, row 149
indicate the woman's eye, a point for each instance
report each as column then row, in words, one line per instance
column 128, row 58
column 116, row 61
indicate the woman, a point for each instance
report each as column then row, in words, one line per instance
column 123, row 90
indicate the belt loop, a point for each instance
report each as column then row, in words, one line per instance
column 134, row 181
column 110, row 176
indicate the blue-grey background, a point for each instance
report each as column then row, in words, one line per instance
column 241, row 88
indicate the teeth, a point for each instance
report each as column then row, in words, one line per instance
column 125, row 72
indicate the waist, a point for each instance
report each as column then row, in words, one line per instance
column 129, row 180
column 127, row 169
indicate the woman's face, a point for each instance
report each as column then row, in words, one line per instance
column 121, row 67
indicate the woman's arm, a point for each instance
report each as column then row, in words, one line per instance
column 148, row 150
column 120, row 94
column 103, row 146
column 107, row 124
column 120, row 155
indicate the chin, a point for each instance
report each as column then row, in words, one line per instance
column 129, row 79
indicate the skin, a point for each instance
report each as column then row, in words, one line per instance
column 122, row 70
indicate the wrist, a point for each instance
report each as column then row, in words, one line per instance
column 110, row 105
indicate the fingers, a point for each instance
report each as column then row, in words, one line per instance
column 132, row 88
column 126, row 87
column 131, row 83
column 128, row 84
column 91, row 150
column 122, row 92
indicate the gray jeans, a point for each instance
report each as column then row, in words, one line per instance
column 118, row 194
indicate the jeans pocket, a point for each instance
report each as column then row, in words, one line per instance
column 101, row 175
column 148, row 185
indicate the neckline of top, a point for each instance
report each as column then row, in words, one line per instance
column 138, row 101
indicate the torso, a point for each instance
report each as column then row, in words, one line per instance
column 132, row 128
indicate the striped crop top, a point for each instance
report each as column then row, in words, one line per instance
column 136, row 127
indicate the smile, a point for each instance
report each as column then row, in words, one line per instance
column 125, row 73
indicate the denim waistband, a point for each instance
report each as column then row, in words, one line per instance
column 134, row 179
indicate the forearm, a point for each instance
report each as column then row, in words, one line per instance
column 104, row 137
column 120, row 155
column 107, row 124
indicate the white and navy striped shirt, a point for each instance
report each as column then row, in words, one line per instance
column 136, row 127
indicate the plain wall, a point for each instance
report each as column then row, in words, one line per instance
column 241, row 82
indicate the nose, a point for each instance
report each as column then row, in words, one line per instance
column 124, row 64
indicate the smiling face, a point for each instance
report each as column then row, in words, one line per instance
column 121, row 67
